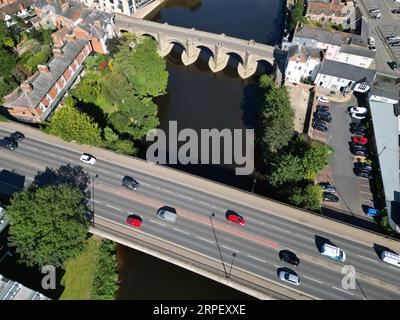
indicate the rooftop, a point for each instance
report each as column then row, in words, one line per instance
column 12, row 290
column 359, row 51
column 347, row 71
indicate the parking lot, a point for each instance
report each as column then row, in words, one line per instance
column 353, row 191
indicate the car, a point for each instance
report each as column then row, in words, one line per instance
column 11, row 140
column 322, row 119
column 361, row 110
column 371, row 41
column 363, row 166
column 360, row 140
column 87, row 158
column 394, row 44
column 360, row 153
column 319, row 126
column 363, row 160
column 362, row 174
column 130, row 183
column 18, row 136
column 357, row 132
column 372, row 47
column 289, row 276
column 372, row 212
column 393, row 38
column 356, row 146
column 235, row 218
column 396, row 11
column 323, row 112
column 393, row 65
column 322, row 107
column 289, row 257
column 359, row 116
column 323, row 116
column 323, row 99
column 326, row 196
column 326, row 187
column 134, row 220
column 8, row 145
column 358, row 126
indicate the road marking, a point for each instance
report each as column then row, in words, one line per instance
column 304, row 237
column 275, row 227
column 179, row 230
column 204, row 203
column 256, row 221
column 255, row 258
column 96, row 201
column 367, row 192
column 185, row 197
column 320, row 282
column 107, row 205
column 230, row 249
column 368, row 259
column 277, row 266
column 206, row 240
column 343, row 291
column 157, row 222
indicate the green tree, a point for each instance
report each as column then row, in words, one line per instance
column 7, row 62
column 297, row 13
column 316, row 158
column 48, row 226
column 40, row 57
column 7, row 84
column 287, row 168
column 308, row 198
column 71, row 125
column 89, row 88
column 6, row 38
column 109, row 135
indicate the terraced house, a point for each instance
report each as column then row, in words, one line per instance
column 37, row 97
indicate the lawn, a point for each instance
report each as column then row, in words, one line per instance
column 80, row 272
column 3, row 118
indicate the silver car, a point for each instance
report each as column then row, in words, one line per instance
column 289, row 276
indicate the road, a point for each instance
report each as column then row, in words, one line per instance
column 256, row 244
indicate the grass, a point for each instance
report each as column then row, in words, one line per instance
column 80, row 272
column 3, row 118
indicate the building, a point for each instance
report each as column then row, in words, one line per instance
column 303, row 64
column 338, row 79
column 354, row 55
column 12, row 290
column 18, row 8
column 35, row 99
column 332, row 11
column 385, row 113
column 127, row 7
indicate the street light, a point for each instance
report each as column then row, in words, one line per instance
column 254, row 184
column 212, row 215
column 96, row 176
column 233, row 259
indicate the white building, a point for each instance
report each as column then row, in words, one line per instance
column 356, row 56
column 126, row 7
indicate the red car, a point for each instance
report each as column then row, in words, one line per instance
column 235, row 218
column 134, row 221
column 360, row 140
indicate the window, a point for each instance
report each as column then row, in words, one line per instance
column 42, row 107
column 49, row 99
column 299, row 68
column 71, row 70
column 63, row 81
column 58, row 88
column 310, row 72
column 76, row 65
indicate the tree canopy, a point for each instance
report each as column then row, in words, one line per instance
column 308, row 197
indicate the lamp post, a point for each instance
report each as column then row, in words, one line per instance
column 233, row 259
column 254, row 184
column 216, row 240
column 96, row 176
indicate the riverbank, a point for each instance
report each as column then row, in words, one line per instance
column 142, row 13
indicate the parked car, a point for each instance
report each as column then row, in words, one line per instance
column 234, row 217
column 87, row 158
column 360, row 153
column 361, row 110
column 322, row 118
column 363, row 160
column 289, row 257
column 319, row 126
column 371, row 41
column 130, row 183
column 323, row 113
column 323, row 99
column 396, row 11
column 394, row 44
column 372, row 212
column 323, row 108
column 360, row 140
column 289, row 276
column 363, row 166
column 326, row 196
column 357, row 132
column 134, row 220
column 358, row 126
column 19, row 136
column 359, row 116
column 372, row 47
column 393, row 65
column 326, row 187
column 393, row 38
column 362, row 173
column 356, row 146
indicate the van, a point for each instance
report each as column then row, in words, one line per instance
column 167, row 214
column 333, row 252
column 391, row 258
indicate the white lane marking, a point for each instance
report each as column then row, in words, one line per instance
column 157, row 222
column 230, row 249
column 204, row 203
column 97, row 201
column 343, row 291
column 367, row 192
column 184, row 197
column 256, row 221
column 168, row 191
column 277, row 266
column 107, row 205
column 304, row 237
column 255, row 258
column 206, row 240
column 368, row 259
column 320, row 282
column 179, row 230
column 284, row 230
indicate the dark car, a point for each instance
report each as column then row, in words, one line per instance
column 360, row 153
column 396, row 11
column 358, row 126
column 8, row 145
column 323, row 108
column 323, row 113
column 362, row 173
column 18, row 136
column 329, row 197
column 130, row 183
column 363, row 166
column 289, row 257
column 326, row 187
column 322, row 117
column 357, row 132
column 356, row 146
column 393, row 65
column 9, row 139
column 319, row 126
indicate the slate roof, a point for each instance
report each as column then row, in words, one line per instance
column 347, row 71
column 358, row 51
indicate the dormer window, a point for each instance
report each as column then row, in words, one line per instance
column 42, row 107
column 49, row 99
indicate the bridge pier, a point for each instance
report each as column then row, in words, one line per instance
column 191, row 53
column 164, row 46
column 248, row 68
column 219, row 61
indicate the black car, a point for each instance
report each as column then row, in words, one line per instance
column 326, row 187
column 360, row 153
column 130, row 183
column 393, row 65
column 7, row 144
column 319, row 126
column 289, row 257
column 362, row 173
column 357, row 132
column 358, row 126
column 322, row 117
column 329, row 197
column 18, row 136
column 323, row 113
column 356, row 146
column 323, row 108
column 9, row 139
column 363, row 166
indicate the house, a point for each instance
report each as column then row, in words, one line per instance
column 385, row 114
column 332, row 11
column 35, row 99
column 127, row 7
column 18, row 8
column 303, row 64
column 354, row 55
column 338, row 79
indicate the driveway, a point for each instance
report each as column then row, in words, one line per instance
column 353, row 192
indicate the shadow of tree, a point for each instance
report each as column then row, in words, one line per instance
column 94, row 111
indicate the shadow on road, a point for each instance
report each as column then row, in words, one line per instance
column 379, row 249
column 320, row 241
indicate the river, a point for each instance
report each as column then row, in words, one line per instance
column 198, row 98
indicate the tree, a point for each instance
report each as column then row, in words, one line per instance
column 308, row 197
column 109, row 135
column 6, row 38
column 47, row 226
column 89, row 88
column 287, row 168
column 7, row 84
column 7, row 62
column 297, row 13
column 71, row 125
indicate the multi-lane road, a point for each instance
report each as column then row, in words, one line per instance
column 256, row 244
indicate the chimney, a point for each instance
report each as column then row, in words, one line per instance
column 43, row 68
column 57, row 52
column 26, row 87
column 64, row 6
column 97, row 24
column 70, row 38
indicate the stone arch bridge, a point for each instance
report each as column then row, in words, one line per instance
column 192, row 41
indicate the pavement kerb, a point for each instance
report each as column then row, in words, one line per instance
column 222, row 191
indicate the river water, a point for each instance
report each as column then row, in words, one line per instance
column 198, row 98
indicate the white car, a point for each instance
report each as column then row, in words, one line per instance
column 87, row 158
column 290, row 277
column 358, row 116
column 371, row 41
column 358, row 110
column 323, row 99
